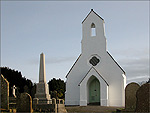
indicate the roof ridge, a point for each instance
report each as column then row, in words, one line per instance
column 89, row 14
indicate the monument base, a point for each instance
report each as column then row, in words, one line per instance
column 42, row 93
column 42, row 101
column 47, row 96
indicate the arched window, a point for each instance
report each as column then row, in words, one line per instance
column 93, row 30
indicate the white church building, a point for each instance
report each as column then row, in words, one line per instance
column 95, row 77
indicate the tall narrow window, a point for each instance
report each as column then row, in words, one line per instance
column 93, row 30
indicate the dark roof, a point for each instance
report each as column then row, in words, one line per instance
column 73, row 66
column 90, row 13
column 98, row 74
column 116, row 62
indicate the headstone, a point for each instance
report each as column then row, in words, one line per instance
column 143, row 98
column 42, row 89
column 24, row 103
column 4, row 93
column 13, row 91
column 12, row 99
column 130, row 96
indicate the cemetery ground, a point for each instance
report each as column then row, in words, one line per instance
column 91, row 109
column 136, row 100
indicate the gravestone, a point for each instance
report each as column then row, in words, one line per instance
column 4, row 93
column 130, row 96
column 12, row 98
column 24, row 103
column 143, row 98
column 13, row 91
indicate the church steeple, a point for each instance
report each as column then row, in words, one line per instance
column 93, row 35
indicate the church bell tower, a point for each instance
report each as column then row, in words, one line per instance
column 93, row 34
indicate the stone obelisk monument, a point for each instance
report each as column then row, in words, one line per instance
column 42, row 89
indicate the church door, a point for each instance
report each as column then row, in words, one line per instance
column 94, row 92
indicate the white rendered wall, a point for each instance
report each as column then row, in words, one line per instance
column 114, row 78
column 72, row 96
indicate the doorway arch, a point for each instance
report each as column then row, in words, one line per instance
column 94, row 91
column 85, row 84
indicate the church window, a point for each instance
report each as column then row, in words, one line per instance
column 94, row 61
column 93, row 30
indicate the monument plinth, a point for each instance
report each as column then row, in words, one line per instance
column 42, row 90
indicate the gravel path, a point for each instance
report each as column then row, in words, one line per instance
column 89, row 109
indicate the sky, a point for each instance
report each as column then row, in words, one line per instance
column 29, row 28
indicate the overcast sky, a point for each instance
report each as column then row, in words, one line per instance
column 29, row 28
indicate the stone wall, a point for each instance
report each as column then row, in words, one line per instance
column 54, row 106
column 61, row 106
column 43, row 107
column 4, row 93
